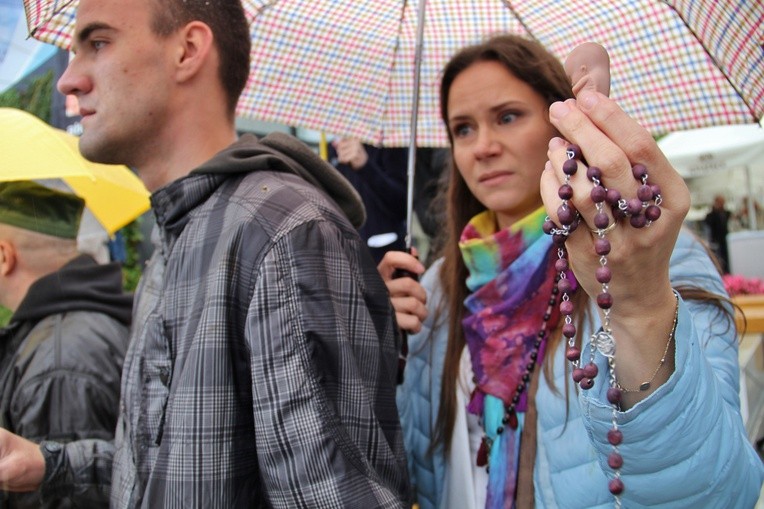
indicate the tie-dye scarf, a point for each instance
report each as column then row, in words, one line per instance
column 511, row 273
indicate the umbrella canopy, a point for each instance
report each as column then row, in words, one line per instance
column 30, row 149
column 346, row 67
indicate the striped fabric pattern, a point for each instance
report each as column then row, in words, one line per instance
column 261, row 366
column 346, row 67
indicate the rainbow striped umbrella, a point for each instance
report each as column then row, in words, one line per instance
column 347, row 67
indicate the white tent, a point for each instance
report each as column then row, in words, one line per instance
column 730, row 157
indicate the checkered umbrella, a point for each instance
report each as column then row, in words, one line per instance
column 346, row 66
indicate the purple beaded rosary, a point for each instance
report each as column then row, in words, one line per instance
column 641, row 213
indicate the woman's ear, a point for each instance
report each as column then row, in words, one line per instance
column 194, row 50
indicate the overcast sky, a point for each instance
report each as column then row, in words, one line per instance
column 19, row 54
column 10, row 11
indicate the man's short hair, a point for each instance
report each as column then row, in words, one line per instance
column 230, row 29
column 31, row 206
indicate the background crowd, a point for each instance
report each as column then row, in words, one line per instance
column 570, row 343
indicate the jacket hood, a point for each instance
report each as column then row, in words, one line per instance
column 285, row 153
column 80, row 285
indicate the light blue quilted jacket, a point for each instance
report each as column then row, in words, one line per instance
column 684, row 446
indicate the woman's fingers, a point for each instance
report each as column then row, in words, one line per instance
column 399, row 260
column 410, row 313
column 407, row 287
column 614, row 142
column 407, row 295
column 597, row 148
column 409, row 300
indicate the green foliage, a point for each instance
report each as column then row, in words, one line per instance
column 35, row 97
column 5, row 315
column 131, row 268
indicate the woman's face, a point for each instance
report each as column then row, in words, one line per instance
column 500, row 131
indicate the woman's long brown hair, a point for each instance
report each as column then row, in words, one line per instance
column 531, row 63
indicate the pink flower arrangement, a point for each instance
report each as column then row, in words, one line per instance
column 739, row 285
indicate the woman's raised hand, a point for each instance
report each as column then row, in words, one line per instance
column 637, row 260
column 614, row 142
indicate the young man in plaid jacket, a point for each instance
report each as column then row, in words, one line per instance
column 261, row 369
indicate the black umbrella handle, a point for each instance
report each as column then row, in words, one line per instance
column 404, row 351
column 398, row 273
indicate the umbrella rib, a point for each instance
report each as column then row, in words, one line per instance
column 717, row 64
column 519, row 19
column 264, row 7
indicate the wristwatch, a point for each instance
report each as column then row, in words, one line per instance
column 52, row 452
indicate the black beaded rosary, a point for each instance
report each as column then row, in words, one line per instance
column 510, row 412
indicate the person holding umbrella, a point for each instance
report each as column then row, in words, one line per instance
column 379, row 176
column 61, row 354
column 262, row 362
column 609, row 290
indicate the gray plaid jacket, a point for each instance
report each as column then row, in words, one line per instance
column 261, row 369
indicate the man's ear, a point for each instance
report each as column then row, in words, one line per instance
column 7, row 257
column 196, row 42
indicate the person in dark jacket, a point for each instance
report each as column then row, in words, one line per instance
column 61, row 354
column 379, row 176
column 263, row 358
column 717, row 221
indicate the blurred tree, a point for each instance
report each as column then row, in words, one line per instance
column 131, row 267
column 35, row 97
column 5, row 315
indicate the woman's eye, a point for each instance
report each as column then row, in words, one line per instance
column 460, row 130
column 507, row 118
